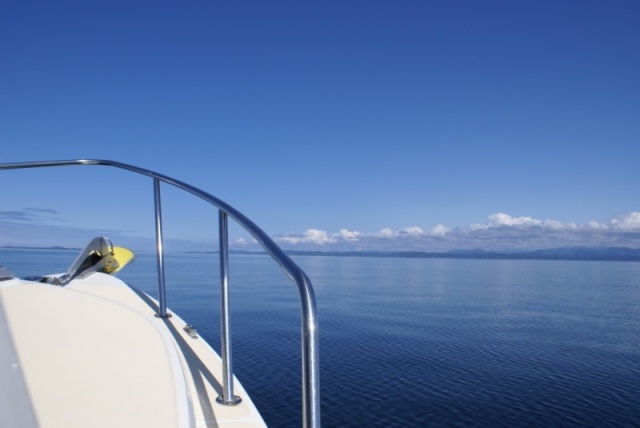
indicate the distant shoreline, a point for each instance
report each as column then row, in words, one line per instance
column 22, row 247
column 570, row 253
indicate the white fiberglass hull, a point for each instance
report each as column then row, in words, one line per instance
column 93, row 353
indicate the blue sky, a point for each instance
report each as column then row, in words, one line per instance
column 364, row 125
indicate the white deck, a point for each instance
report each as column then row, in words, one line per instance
column 94, row 355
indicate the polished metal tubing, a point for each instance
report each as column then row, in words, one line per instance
column 310, row 341
column 227, row 396
column 162, row 300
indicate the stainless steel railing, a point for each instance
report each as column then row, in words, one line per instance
column 310, row 354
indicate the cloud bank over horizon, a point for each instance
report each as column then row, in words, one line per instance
column 500, row 232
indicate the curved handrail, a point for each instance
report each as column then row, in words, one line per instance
column 310, row 342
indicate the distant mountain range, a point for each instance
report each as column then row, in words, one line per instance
column 23, row 247
column 568, row 253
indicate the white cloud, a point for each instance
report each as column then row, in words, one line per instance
column 627, row 222
column 556, row 225
column 405, row 231
column 501, row 219
column 30, row 215
column 505, row 220
column 349, row 235
column 439, row 230
column 411, row 231
column 385, row 233
column 501, row 232
column 595, row 225
column 314, row 236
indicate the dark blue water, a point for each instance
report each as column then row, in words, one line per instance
column 421, row 342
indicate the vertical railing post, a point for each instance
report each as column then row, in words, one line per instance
column 310, row 341
column 310, row 359
column 227, row 396
column 162, row 304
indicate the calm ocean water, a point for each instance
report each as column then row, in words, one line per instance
column 419, row 342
